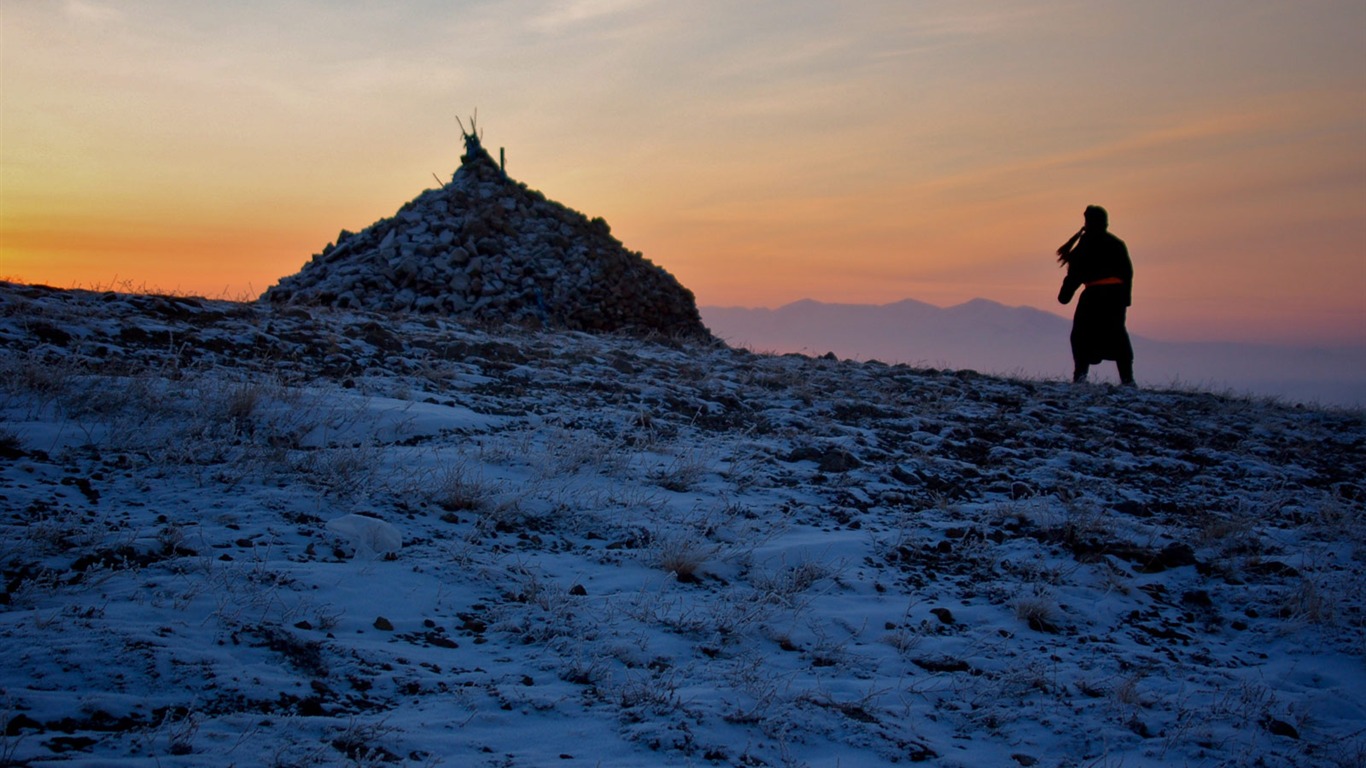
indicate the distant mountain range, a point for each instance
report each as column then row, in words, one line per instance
column 985, row 336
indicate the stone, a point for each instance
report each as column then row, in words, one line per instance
column 484, row 247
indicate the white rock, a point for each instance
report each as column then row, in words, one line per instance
column 371, row 537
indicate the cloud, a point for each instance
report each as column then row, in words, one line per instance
column 1214, row 137
column 90, row 13
column 960, row 22
column 558, row 16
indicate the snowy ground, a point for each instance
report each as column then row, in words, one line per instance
column 618, row 552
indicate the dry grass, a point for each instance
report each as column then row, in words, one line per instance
column 682, row 554
column 1041, row 613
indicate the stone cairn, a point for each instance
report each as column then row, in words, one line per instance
column 487, row 248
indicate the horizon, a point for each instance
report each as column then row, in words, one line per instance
column 250, row 297
column 862, row 154
column 1023, row 342
column 1065, row 316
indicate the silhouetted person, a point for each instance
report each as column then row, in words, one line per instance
column 1100, row 261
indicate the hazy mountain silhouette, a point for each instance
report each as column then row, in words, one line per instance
column 985, row 336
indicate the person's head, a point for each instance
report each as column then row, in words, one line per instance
column 1097, row 220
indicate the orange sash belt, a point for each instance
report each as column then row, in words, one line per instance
column 1106, row 281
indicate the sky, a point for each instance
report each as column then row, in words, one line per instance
column 864, row 151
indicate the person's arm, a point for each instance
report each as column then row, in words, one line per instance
column 1069, row 288
column 1065, row 250
column 1070, row 284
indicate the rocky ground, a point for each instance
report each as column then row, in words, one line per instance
column 232, row 534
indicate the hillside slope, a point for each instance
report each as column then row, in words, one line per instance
column 238, row 535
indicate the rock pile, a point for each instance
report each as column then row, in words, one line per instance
column 487, row 248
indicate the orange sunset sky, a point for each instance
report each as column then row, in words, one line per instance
column 861, row 151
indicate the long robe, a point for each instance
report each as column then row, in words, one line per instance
column 1098, row 331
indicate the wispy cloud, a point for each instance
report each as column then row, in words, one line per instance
column 1208, row 137
column 560, row 15
column 959, row 21
column 90, row 13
